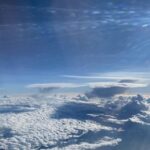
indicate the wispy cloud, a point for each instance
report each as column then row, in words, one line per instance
column 141, row 76
column 110, row 84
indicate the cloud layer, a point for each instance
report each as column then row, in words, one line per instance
column 56, row 122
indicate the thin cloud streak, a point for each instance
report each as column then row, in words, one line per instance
column 99, row 77
column 109, row 84
column 136, row 76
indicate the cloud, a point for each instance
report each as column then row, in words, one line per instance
column 127, row 81
column 102, row 130
column 110, row 89
column 111, row 84
column 105, row 92
column 96, row 77
column 106, row 141
column 134, row 107
column 53, row 133
column 141, row 76
column 48, row 87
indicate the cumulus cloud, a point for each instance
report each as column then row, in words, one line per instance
column 61, row 124
column 53, row 133
column 133, row 107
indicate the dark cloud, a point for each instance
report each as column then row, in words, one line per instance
column 49, row 87
column 106, row 92
column 127, row 81
column 47, row 90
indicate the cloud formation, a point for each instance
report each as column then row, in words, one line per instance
column 106, row 92
column 128, row 77
column 111, row 84
column 127, row 81
column 48, row 87
column 99, row 89
column 63, row 124
column 110, row 89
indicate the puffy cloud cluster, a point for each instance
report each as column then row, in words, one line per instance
column 55, row 122
column 40, row 128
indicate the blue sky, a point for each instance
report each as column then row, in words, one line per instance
column 40, row 41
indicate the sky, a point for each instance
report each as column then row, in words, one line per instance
column 70, row 41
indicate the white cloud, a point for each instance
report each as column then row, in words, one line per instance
column 106, row 141
column 111, row 84
column 36, row 128
column 141, row 76
column 42, row 127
